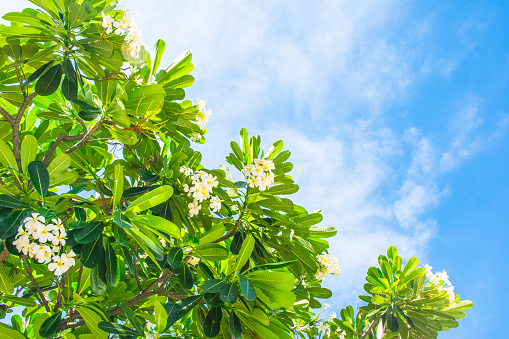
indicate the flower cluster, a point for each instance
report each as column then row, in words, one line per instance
column 200, row 189
column 44, row 242
column 126, row 26
column 260, row 174
column 440, row 279
column 330, row 265
column 201, row 119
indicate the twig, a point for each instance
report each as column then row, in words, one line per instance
column 146, row 293
column 366, row 333
column 228, row 235
column 79, row 279
column 136, row 269
column 7, row 115
column 59, row 297
column 87, row 136
column 27, row 101
column 36, row 286
column 65, row 137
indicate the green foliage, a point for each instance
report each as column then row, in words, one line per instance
column 97, row 160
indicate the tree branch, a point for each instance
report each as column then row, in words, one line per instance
column 7, row 115
column 65, row 137
column 27, row 101
column 146, row 293
column 59, row 297
column 228, row 235
column 366, row 333
column 87, row 136
column 36, row 286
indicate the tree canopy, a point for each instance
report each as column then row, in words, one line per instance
column 112, row 227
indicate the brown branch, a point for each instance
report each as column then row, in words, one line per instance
column 87, row 136
column 20, row 79
column 7, row 115
column 79, row 279
column 61, row 138
column 136, row 269
column 36, row 286
column 228, row 235
column 366, row 333
column 59, row 297
column 146, row 293
column 27, row 101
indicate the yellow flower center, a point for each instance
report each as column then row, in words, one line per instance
column 60, row 264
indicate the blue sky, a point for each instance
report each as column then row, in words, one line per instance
column 396, row 113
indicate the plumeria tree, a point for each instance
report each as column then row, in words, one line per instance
column 112, row 228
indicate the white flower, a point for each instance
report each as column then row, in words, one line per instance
column 22, row 244
column 58, row 265
column 330, row 263
column 58, row 240
column 33, row 221
column 194, row 208
column 68, row 258
column 186, row 170
column 108, row 23
column 43, row 256
column 321, row 273
column 195, row 137
column 200, row 104
column 43, row 233
column 194, row 261
column 215, row 204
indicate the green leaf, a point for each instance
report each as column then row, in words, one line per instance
column 49, row 326
column 410, row 265
column 87, row 116
column 58, row 165
column 40, row 71
column 213, row 285
column 271, row 266
column 92, row 253
column 159, row 224
column 86, row 107
column 112, row 270
column 244, row 253
column 229, row 293
column 132, row 319
column 160, row 317
column 150, row 247
column 10, row 225
column 77, row 14
column 48, row 82
column 319, row 292
column 214, row 233
column 277, row 203
column 392, row 323
column 11, row 202
column 174, row 257
column 89, row 233
column 121, row 220
column 185, row 277
column 69, row 69
column 69, row 88
column 119, row 185
column 283, row 189
column 117, row 329
column 246, row 288
column 7, row 332
column 214, row 252
column 19, row 301
column 6, row 156
column 322, row 232
column 159, row 50
column 235, row 327
column 246, row 149
column 92, row 319
column 211, row 328
column 97, row 284
column 173, row 311
column 28, row 151
column 39, row 177
column 151, row 199
column 274, row 150
column 6, row 285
